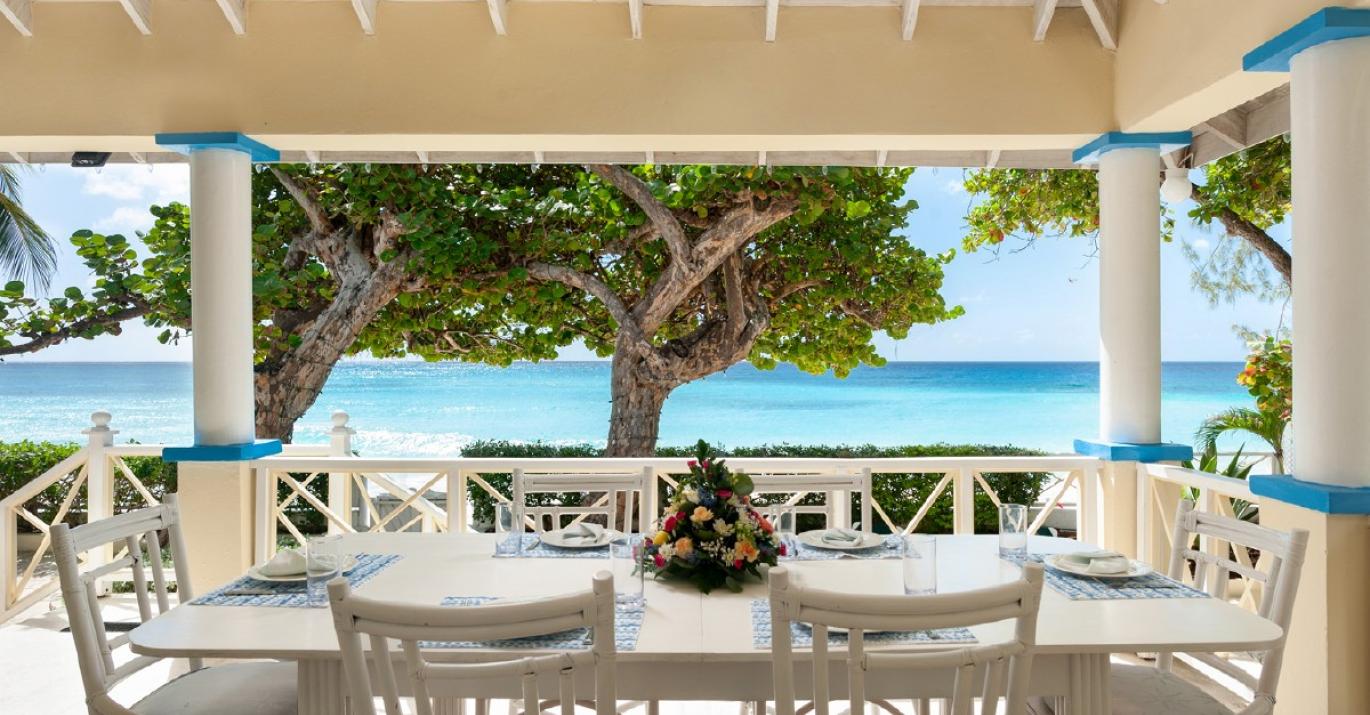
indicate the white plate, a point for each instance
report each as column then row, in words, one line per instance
column 815, row 539
column 560, row 539
column 1134, row 568
column 839, row 630
column 255, row 573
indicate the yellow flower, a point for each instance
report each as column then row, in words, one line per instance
column 683, row 546
column 747, row 550
column 661, row 538
column 701, row 515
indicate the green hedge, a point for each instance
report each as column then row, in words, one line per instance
column 899, row 494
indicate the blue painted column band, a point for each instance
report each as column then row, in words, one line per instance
column 222, row 452
column 1162, row 142
column 1326, row 498
column 1326, row 25
column 1127, row 452
column 191, row 142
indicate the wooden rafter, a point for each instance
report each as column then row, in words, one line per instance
column 20, row 14
column 635, row 18
column 1042, row 12
column 235, row 11
column 366, row 14
column 772, row 17
column 139, row 11
column 1103, row 15
column 908, row 20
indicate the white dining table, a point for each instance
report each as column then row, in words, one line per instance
column 694, row 646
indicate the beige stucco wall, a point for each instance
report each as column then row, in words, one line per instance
column 568, row 77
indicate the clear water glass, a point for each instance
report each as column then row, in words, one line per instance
column 1013, row 524
column 323, row 558
column 786, row 523
column 920, row 564
column 507, row 525
column 626, row 556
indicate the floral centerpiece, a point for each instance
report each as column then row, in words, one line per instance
column 710, row 534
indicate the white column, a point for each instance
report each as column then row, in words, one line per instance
column 221, row 295
column 1330, row 126
column 1129, row 296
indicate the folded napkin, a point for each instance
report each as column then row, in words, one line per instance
column 289, row 562
column 1102, row 561
column 843, row 537
column 584, row 531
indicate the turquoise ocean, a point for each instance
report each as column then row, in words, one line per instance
column 407, row 408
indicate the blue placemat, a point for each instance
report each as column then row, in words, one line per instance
column 1084, row 588
column 627, row 626
column 533, row 548
column 292, row 595
column 801, row 635
column 892, row 548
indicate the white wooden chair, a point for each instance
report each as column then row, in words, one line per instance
column 257, row 688
column 1142, row 690
column 1002, row 668
column 381, row 621
column 835, row 488
column 634, row 491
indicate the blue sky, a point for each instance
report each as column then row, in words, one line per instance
column 1038, row 304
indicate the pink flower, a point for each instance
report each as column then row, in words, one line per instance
column 660, row 562
column 784, row 551
column 692, row 464
column 724, row 493
column 704, row 464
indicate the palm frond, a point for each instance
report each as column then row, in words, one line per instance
column 1269, row 428
column 27, row 252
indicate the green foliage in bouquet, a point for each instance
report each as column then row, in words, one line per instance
column 710, row 535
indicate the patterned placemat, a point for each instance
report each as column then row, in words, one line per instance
column 627, row 626
column 892, row 548
column 1084, row 588
column 802, row 636
column 293, row 594
column 533, row 548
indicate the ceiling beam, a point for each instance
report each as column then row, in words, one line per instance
column 139, row 12
column 635, row 18
column 423, row 157
column 772, row 16
column 235, row 11
column 311, row 156
column 909, row 21
column 20, row 14
column 366, row 14
column 1237, row 129
column 1042, row 12
column 1103, row 15
column 992, row 158
column 17, row 157
column 499, row 15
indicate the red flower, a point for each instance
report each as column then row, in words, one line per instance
column 692, row 464
column 660, row 562
column 704, row 464
column 670, row 524
column 724, row 493
column 737, row 564
column 784, row 551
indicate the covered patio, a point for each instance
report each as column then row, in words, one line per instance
column 1129, row 88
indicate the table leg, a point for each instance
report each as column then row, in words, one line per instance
column 449, row 706
column 320, row 684
column 1089, row 685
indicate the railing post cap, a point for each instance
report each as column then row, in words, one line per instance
column 99, row 421
column 340, row 419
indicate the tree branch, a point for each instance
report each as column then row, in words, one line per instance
column 1235, row 225
column 307, row 201
column 110, row 321
column 732, row 291
column 587, row 283
column 661, row 216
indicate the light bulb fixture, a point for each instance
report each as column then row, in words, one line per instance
column 1176, row 187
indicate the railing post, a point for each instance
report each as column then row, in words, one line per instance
column 99, row 482
column 461, row 494
column 264, row 540
column 963, row 502
column 339, row 486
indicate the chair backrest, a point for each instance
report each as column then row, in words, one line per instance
column 130, row 534
column 1224, row 549
column 1003, row 668
column 616, row 497
column 835, row 488
column 410, row 625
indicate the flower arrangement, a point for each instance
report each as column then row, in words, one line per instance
column 709, row 534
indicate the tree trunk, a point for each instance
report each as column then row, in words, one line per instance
column 635, row 418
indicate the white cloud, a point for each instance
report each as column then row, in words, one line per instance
column 159, row 183
column 954, row 186
column 127, row 220
column 1201, row 244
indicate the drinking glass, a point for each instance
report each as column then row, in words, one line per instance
column 1013, row 520
column 625, row 555
column 920, row 564
column 787, row 530
column 507, row 523
column 323, row 558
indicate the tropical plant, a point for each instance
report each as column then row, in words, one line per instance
column 677, row 272
column 1235, row 469
column 1269, row 376
column 1266, row 426
column 27, row 253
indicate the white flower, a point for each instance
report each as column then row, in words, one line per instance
column 667, row 551
column 722, row 528
column 691, row 494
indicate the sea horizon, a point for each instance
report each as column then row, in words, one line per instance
column 421, row 409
